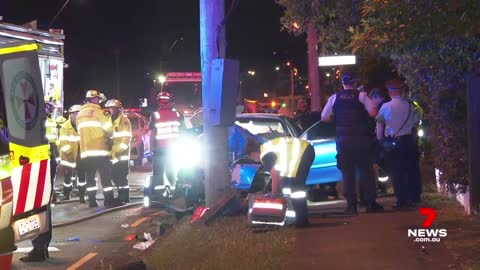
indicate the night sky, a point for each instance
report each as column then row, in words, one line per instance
column 141, row 33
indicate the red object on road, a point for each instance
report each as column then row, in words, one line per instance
column 199, row 212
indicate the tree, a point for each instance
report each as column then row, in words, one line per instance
column 326, row 22
column 434, row 45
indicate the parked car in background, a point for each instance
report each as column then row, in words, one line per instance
column 140, row 144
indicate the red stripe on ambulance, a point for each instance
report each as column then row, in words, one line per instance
column 31, row 186
column 41, row 183
column 23, row 194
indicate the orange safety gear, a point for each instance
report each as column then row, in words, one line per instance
column 122, row 135
column 68, row 145
column 95, row 129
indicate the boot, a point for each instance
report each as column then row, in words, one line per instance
column 81, row 194
column 92, row 201
column 66, row 193
column 351, row 210
column 35, row 255
column 374, row 207
column 124, row 195
column 110, row 201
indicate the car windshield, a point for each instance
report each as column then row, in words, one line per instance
column 266, row 128
column 134, row 122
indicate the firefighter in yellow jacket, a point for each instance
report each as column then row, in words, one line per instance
column 122, row 134
column 95, row 129
column 70, row 155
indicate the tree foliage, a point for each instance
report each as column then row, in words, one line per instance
column 433, row 44
column 332, row 18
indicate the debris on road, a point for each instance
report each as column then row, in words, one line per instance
column 125, row 225
column 72, row 239
column 147, row 241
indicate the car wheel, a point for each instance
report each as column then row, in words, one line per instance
column 138, row 162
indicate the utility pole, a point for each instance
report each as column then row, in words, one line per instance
column 292, row 90
column 212, row 46
column 317, row 94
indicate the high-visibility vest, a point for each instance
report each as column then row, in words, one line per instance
column 68, row 144
column 289, row 152
column 95, row 129
column 166, row 127
column 51, row 130
column 122, row 134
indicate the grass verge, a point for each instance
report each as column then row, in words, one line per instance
column 227, row 244
column 463, row 240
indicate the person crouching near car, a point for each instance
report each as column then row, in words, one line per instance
column 397, row 120
column 122, row 135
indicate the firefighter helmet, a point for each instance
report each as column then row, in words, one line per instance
column 113, row 103
column 75, row 108
column 50, row 106
column 95, row 93
column 164, row 96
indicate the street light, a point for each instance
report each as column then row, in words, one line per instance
column 162, row 79
column 265, row 95
column 251, row 72
column 277, row 68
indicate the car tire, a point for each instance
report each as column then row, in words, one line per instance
column 138, row 162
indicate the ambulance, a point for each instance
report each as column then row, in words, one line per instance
column 25, row 182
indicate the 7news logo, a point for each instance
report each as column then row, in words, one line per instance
column 427, row 234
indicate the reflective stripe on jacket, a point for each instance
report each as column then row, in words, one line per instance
column 51, row 130
column 122, row 134
column 95, row 129
column 68, row 144
column 165, row 125
column 289, row 152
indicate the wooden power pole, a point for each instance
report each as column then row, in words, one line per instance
column 212, row 45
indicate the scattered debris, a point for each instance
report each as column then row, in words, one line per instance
column 125, row 225
column 147, row 241
column 199, row 212
column 72, row 239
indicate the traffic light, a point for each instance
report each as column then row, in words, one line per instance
column 274, row 104
column 337, row 74
column 284, row 105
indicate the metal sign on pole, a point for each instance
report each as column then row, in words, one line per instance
column 338, row 60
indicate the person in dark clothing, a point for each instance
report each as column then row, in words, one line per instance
column 355, row 143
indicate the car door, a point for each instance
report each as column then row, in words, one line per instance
column 324, row 168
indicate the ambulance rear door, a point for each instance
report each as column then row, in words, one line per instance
column 29, row 149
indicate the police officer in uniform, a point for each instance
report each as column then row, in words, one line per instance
column 122, row 134
column 355, row 143
column 95, row 129
column 289, row 160
column 399, row 119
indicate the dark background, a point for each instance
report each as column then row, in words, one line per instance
column 140, row 33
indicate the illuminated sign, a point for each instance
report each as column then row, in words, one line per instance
column 184, row 77
column 336, row 60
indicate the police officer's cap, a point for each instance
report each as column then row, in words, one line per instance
column 349, row 77
column 396, row 85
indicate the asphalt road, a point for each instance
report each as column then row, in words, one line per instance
column 99, row 243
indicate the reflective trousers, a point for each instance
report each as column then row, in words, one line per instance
column 103, row 165
column 161, row 167
column 120, row 172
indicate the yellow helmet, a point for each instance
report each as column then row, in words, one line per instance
column 95, row 93
column 75, row 108
column 113, row 103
